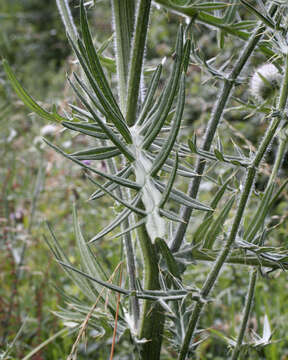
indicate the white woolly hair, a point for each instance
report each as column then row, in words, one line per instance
column 265, row 81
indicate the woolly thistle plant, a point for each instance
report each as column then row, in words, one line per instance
column 139, row 141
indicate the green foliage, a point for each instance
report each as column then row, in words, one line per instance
column 203, row 225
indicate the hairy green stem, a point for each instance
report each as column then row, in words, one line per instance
column 246, row 313
column 152, row 322
column 212, row 127
column 136, row 62
column 249, row 182
column 123, row 20
column 279, row 158
column 253, row 275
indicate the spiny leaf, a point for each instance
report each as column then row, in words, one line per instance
column 116, row 179
column 166, row 193
column 182, row 198
column 97, row 153
column 109, row 132
column 216, row 225
column 167, row 147
column 27, row 99
column 265, row 19
column 150, row 95
column 88, row 260
column 116, row 222
column 87, row 129
column 128, row 230
column 60, row 256
column 168, row 94
column 168, row 256
column 110, row 185
column 94, row 63
column 120, row 200
column 171, row 215
column 109, row 111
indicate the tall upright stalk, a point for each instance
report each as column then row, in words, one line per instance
column 123, row 21
column 152, row 319
column 246, row 313
column 216, row 116
column 253, row 272
column 249, row 182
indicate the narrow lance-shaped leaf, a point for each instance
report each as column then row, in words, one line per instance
column 89, row 261
column 106, row 108
column 150, row 95
column 168, row 94
column 169, row 166
column 61, row 256
column 27, row 99
column 110, row 185
column 166, row 193
column 109, row 132
column 131, row 228
column 202, row 230
column 167, row 147
column 171, row 215
column 117, row 221
column 84, row 128
column 100, row 282
column 109, row 111
column 168, row 256
column 117, row 198
column 263, row 209
column 153, row 295
column 260, row 214
column 186, row 56
column 216, row 225
column 182, row 198
column 266, row 19
column 97, row 153
column 118, row 180
column 94, row 63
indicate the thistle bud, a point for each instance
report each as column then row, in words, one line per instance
column 265, row 82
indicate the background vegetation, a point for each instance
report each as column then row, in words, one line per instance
column 36, row 184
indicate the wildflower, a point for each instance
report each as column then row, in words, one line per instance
column 265, row 82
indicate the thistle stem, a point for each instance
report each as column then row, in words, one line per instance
column 279, row 158
column 212, row 127
column 246, row 313
column 253, row 274
column 153, row 318
column 249, row 182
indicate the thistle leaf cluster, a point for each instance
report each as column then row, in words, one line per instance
column 146, row 160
